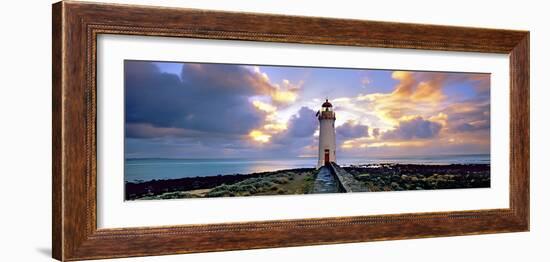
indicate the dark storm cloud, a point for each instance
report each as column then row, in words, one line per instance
column 469, row 116
column 414, row 128
column 299, row 133
column 351, row 130
column 208, row 98
column 302, row 124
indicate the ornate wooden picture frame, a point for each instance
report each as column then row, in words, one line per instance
column 76, row 27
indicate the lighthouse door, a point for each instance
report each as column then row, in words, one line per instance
column 327, row 156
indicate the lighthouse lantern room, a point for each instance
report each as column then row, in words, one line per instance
column 327, row 137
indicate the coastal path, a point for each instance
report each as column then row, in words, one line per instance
column 326, row 182
column 334, row 179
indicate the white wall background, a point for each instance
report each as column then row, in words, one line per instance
column 25, row 147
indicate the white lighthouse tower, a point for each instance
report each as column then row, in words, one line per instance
column 327, row 137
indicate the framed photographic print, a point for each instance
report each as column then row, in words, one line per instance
column 181, row 130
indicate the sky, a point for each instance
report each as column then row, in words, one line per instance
column 200, row 110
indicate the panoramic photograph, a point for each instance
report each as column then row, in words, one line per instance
column 204, row 130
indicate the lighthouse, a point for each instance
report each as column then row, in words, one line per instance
column 327, row 137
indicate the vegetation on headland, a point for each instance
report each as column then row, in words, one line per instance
column 382, row 177
column 282, row 182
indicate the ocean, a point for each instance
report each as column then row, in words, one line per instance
column 155, row 168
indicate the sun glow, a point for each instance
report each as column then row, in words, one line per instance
column 259, row 136
column 275, row 126
column 284, row 96
column 264, row 106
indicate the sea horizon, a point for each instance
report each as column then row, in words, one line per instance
column 315, row 157
column 150, row 168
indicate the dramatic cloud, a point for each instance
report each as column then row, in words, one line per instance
column 469, row 116
column 423, row 111
column 412, row 89
column 297, row 138
column 414, row 128
column 303, row 124
column 164, row 101
column 352, row 129
column 421, row 93
column 415, row 93
column 220, row 110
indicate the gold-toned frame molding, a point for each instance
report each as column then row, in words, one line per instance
column 76, row 26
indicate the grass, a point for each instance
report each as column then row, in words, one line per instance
column 283, row 183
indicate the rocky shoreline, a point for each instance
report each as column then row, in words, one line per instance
column 399, row 177
column 379, row 177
